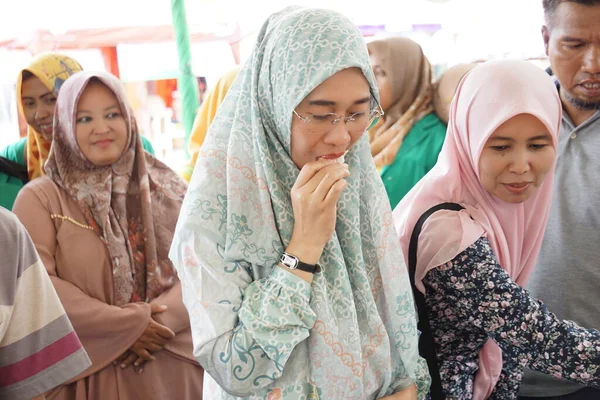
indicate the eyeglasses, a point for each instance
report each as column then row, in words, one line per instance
column 358, row 122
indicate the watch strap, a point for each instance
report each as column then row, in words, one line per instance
column 292, row 262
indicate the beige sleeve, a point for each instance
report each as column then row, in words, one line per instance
column 106, row 331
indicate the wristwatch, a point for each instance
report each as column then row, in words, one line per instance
column 292, row 262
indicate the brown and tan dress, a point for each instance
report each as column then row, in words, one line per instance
column 103, row 234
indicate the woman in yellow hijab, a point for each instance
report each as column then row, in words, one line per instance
column 37, row 89
column 204, row 118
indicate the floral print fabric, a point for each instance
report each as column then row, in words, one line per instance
column 471, row 299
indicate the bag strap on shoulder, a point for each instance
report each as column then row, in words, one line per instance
column 426, row 343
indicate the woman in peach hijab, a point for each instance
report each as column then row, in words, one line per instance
column 102, row 220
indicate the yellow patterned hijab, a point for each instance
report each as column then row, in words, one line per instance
column 204, row 118
column 52, row 69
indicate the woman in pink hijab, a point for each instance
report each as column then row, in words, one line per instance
column 470, row 258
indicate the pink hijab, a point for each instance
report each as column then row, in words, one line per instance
column 488, row 96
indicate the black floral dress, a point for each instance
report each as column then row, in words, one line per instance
column 471, row 299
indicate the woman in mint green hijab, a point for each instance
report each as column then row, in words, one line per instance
column 285, row 181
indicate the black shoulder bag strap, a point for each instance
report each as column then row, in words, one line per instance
column 426, row 344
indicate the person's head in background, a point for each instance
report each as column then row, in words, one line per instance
column 39, row 84
column 37, row 89
column 403, row 76
column 102, row 123
column 201, row 88
column 572, row 40
column 94, row 126
column 445, row 88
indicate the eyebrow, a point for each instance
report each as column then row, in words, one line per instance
column 541, row 137
column 41, row 97
column 106, row 109
column 572, row 39
column 329, row 103
column 538, row 137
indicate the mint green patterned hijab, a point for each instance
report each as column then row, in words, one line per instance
column 237, row 219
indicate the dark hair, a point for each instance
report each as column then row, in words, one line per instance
column 26, row 75
column 94, row 80
column 550, row 6
column 11, row 168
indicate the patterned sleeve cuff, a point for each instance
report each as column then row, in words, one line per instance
column 291, row 282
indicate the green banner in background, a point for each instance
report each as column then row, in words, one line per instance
column 187, row 84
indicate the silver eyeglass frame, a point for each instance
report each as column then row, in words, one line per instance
column 376, row 113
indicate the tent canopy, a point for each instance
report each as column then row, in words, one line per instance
column 468, row 29
column 94, row 23
column 41, row 40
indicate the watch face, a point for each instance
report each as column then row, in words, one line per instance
column 289, row 261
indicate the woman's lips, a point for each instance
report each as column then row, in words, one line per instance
column 333, row 156
column 517, row 188
column 103, row 143
column 339, row 157
column 47, row 129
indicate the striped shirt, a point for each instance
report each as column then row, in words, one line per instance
column 39, row 349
